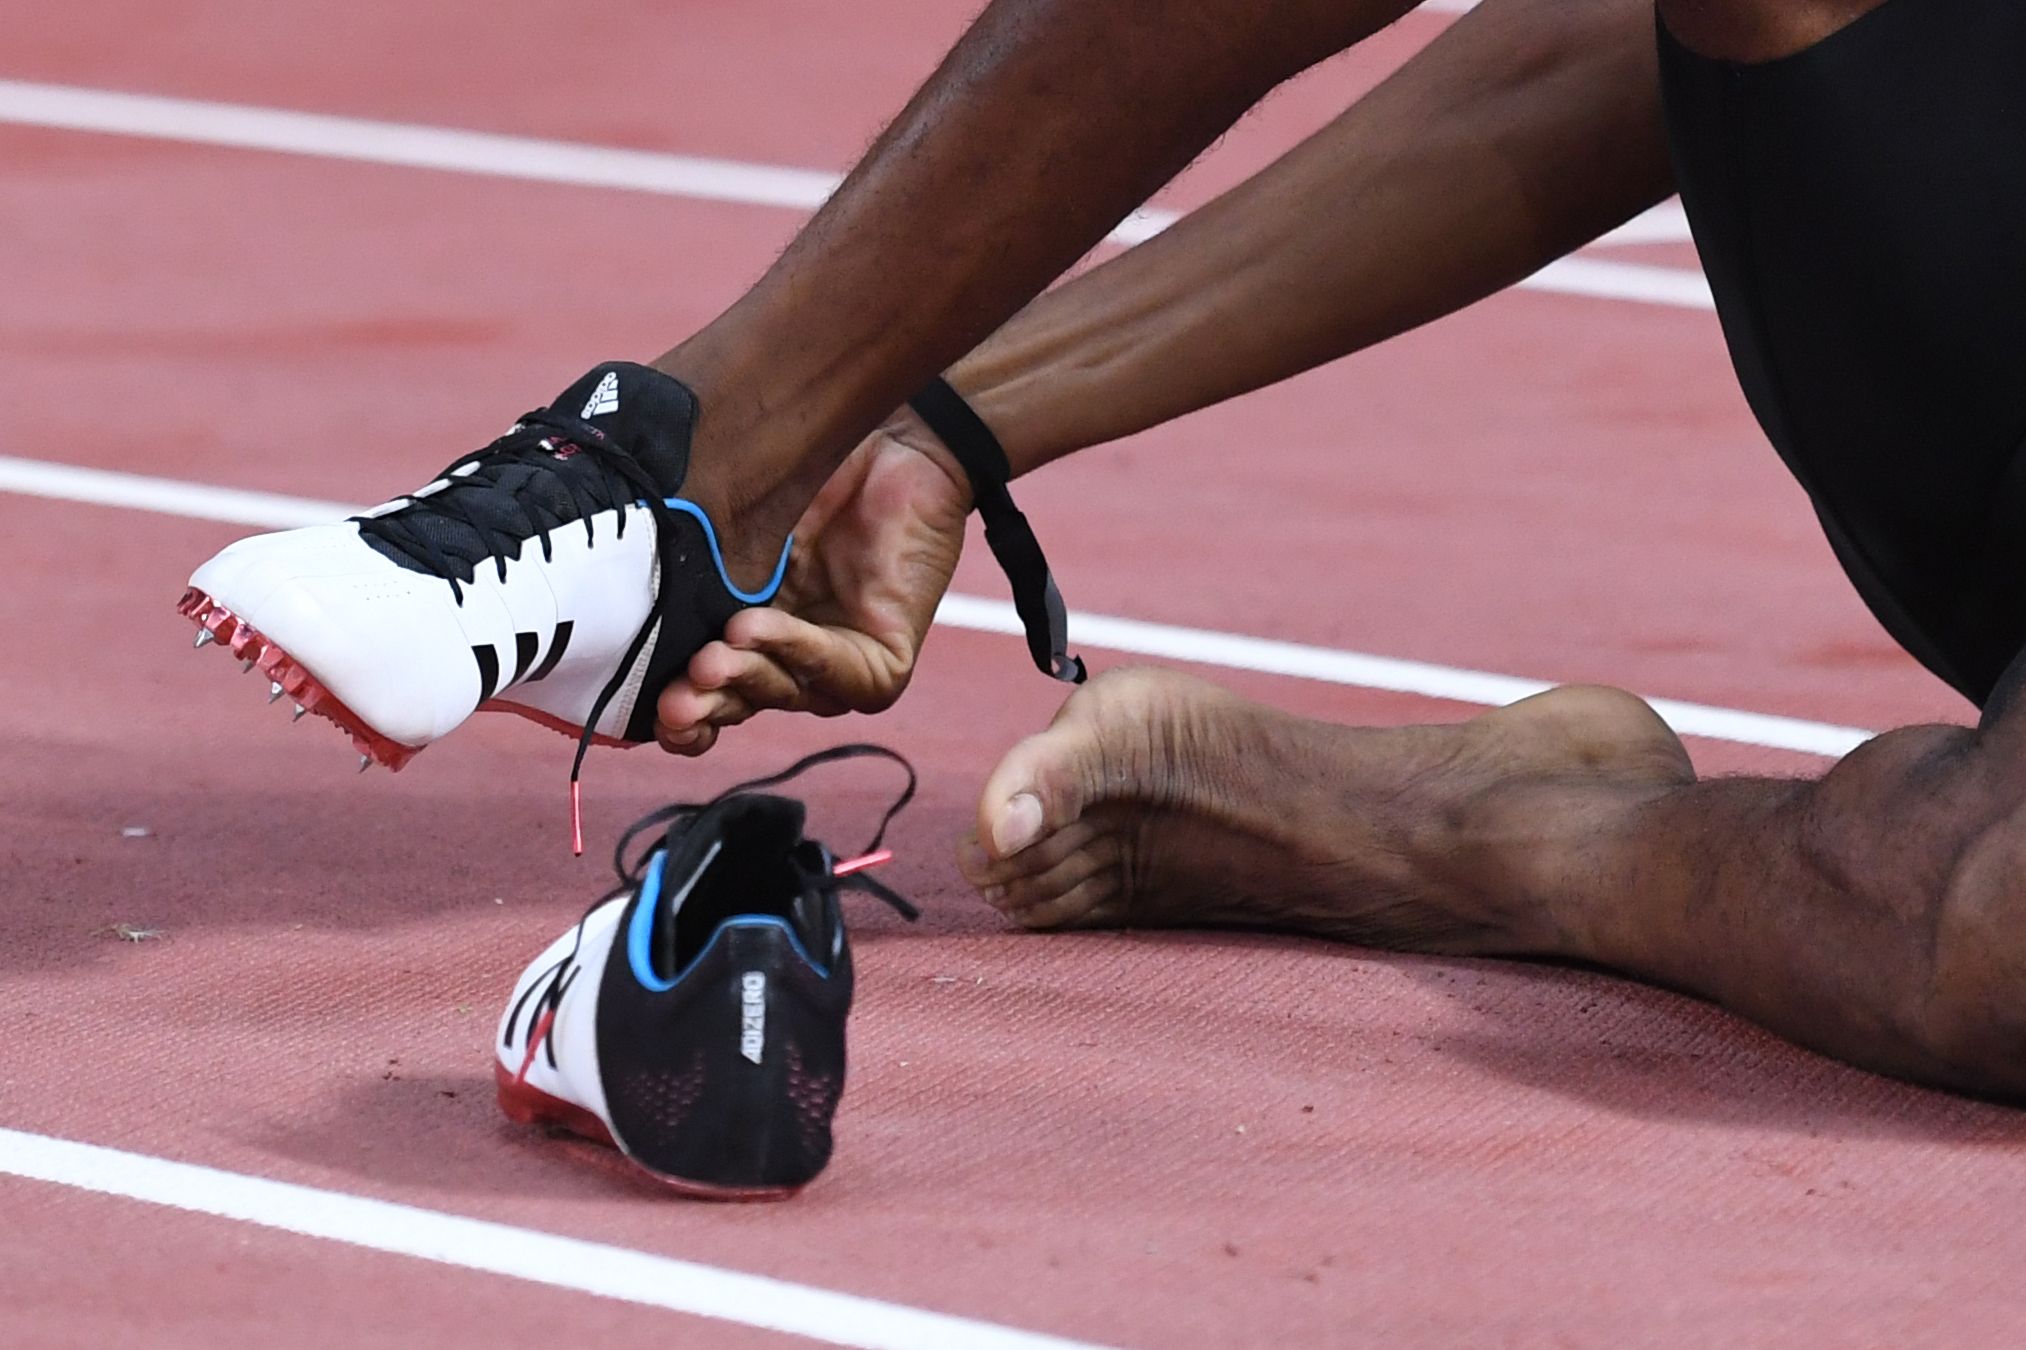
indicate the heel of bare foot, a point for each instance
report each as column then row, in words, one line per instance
column 1590, row 729
column 1157, row 799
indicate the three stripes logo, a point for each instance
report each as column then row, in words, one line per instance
column 605, row 398
column 526, row 647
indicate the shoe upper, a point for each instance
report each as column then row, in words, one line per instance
column 722, row 1012
column 699, row 1014
column 555, row 571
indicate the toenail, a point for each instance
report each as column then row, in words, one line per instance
column 1018, row 825
column 993, row 894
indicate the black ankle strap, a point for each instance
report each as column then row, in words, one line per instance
column 1007, row 533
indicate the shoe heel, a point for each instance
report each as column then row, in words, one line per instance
column 759, row 1074
column 526, row 1105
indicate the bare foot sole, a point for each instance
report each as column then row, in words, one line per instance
column 1157, row 799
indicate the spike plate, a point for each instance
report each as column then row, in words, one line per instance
column 285, row 675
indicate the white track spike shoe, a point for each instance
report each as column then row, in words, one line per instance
column 555, row 573
column 695, row 1018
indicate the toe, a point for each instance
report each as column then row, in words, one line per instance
column 1049, row 886
column 1037, row 789
column 981, row 869
column 1098, row 901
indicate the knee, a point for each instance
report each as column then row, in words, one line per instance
column 1923, row 831
column 1974, row 1010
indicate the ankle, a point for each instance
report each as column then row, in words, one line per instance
column 752, row 469
column 1543, row 860
column 750, row 532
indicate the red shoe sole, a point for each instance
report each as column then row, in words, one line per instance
column 525, row 1105
column 555, row 723
column 243, row 641
column 246, row 643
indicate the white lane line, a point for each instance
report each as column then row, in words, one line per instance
column 1235, row 651
column 1666, row 223
column 165, row 496
column 501, row 1249
column 1232, row 651
column 1610, row 280
column 191, row 121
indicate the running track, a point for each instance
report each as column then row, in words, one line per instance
column 275, row 1119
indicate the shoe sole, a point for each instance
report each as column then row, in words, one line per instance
column 246, row 643
column 526, row 1105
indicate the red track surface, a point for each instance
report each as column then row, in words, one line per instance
column 1174, row 1140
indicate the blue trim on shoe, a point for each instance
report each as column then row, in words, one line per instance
column 710, row 534
column 640, row 929
column 640, row 933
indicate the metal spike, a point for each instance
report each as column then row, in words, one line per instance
column 246, row 665
column 365, row 763
column 205, row 637
column 297, row 715
column 273, row 691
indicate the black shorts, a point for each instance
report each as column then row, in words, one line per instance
column 1860, row 209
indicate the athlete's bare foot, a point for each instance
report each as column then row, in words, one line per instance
column 1157, row 799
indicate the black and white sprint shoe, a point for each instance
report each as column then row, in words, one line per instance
column 557, row 573
column 694, row 1019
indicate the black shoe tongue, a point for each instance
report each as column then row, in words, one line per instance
column 641, row 411
column 757, row 834
column 644, row 412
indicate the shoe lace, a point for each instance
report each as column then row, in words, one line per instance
column 502, row 511
column 674, row 820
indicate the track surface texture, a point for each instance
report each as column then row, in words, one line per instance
column 1127, row 1139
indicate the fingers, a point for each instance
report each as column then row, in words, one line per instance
column 726, row 678
column 772, row 661
column 690, row 712
column 802, row 659
column 691, row 741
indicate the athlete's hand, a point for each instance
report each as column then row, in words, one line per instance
column 873, row 554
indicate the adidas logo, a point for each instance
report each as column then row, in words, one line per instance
column 605, row 398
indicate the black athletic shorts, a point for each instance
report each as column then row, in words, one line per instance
column 1860, row 209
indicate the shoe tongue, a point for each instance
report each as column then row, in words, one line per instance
column 644, row 412
column 732, row 860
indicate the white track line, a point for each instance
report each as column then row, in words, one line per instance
column 500, row 1249
column 191, row 121
column 1666, row 223
column 1233, row 651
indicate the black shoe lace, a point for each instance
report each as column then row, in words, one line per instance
column 674, row 820
column 502, row 517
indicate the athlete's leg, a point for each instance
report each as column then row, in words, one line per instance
column 1878, row 914
column 1046, row 124
column 1758, row 30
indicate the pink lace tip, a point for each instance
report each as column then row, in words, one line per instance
column 859, row 864
column 576, row 818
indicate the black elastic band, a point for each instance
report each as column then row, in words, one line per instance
column 1007, row 533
